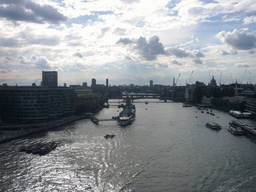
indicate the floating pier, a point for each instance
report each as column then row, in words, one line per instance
column 248, row 128
column 96, row 120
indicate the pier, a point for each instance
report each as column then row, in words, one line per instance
column 248, row 128
column 96, row 120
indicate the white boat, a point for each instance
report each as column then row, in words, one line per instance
column 127, row 116
column 240, row 115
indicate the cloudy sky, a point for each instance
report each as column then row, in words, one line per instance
column 128, row 41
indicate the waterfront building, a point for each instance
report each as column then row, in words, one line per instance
column 251, row 107
column 49, row 78
column 27, row 104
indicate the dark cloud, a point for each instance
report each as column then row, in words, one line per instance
column 197, row 53
column 42, row 64
column 103, row 31
column 149, row 50
column 179, row 52
column 176, row 62
column 238, row 39
column 124, row 41
column 223, row 52
column 163, row 66
column 9, row 42
column 5, row 71
column 243, row 66
column 128, row 58
column 251, row 52
column 50, row 41
column 233, row 52
column 78, row 55
column 26, row 10
column 197, row 61
column 24, row 62
column 119, row 31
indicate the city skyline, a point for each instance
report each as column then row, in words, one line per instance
column 128, row 41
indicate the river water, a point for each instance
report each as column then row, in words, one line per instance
column 167, row 148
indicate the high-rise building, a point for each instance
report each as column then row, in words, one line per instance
column 49, row 79
column 151, row 83
column 25, row 105
column 106, row 82
column 93, row 82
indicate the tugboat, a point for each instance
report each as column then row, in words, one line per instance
column 213, row 126
column 127, row 116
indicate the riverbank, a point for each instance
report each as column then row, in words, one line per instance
column 10, row 132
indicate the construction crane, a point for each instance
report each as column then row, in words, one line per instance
column 210, row 76
column 220, row 77
column 244, row 75
column 190, row 76
column 177, row 79
column 231, row 78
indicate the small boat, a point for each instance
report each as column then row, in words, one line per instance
column 213, row 126
column 236, row 130
column 109, row 136
column 240, row 115
column 27, row 146
column 186, row 105
column 33, row 147
column 46, row 148
column 146, row 102
column 37, row 149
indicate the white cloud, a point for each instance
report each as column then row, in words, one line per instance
column 81, row 36
column 249, row 20
column 238, row 39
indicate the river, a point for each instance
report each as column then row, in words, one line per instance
column 167, row 148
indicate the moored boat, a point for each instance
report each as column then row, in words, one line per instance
column 27, row 147
column 240, row 115
column 213, row 126
column 127, row 116
column 38, row 148
column 235, row 129
column 186, row 105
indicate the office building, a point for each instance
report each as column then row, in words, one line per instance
column 93, row 82
column 26, row 104
column 151, row 83
column 49, row 79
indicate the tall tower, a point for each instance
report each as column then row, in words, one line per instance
column 93, row 82
column 106, row 82
column 49, row 78
column 151, row 83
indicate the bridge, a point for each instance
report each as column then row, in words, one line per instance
column 135, row 96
